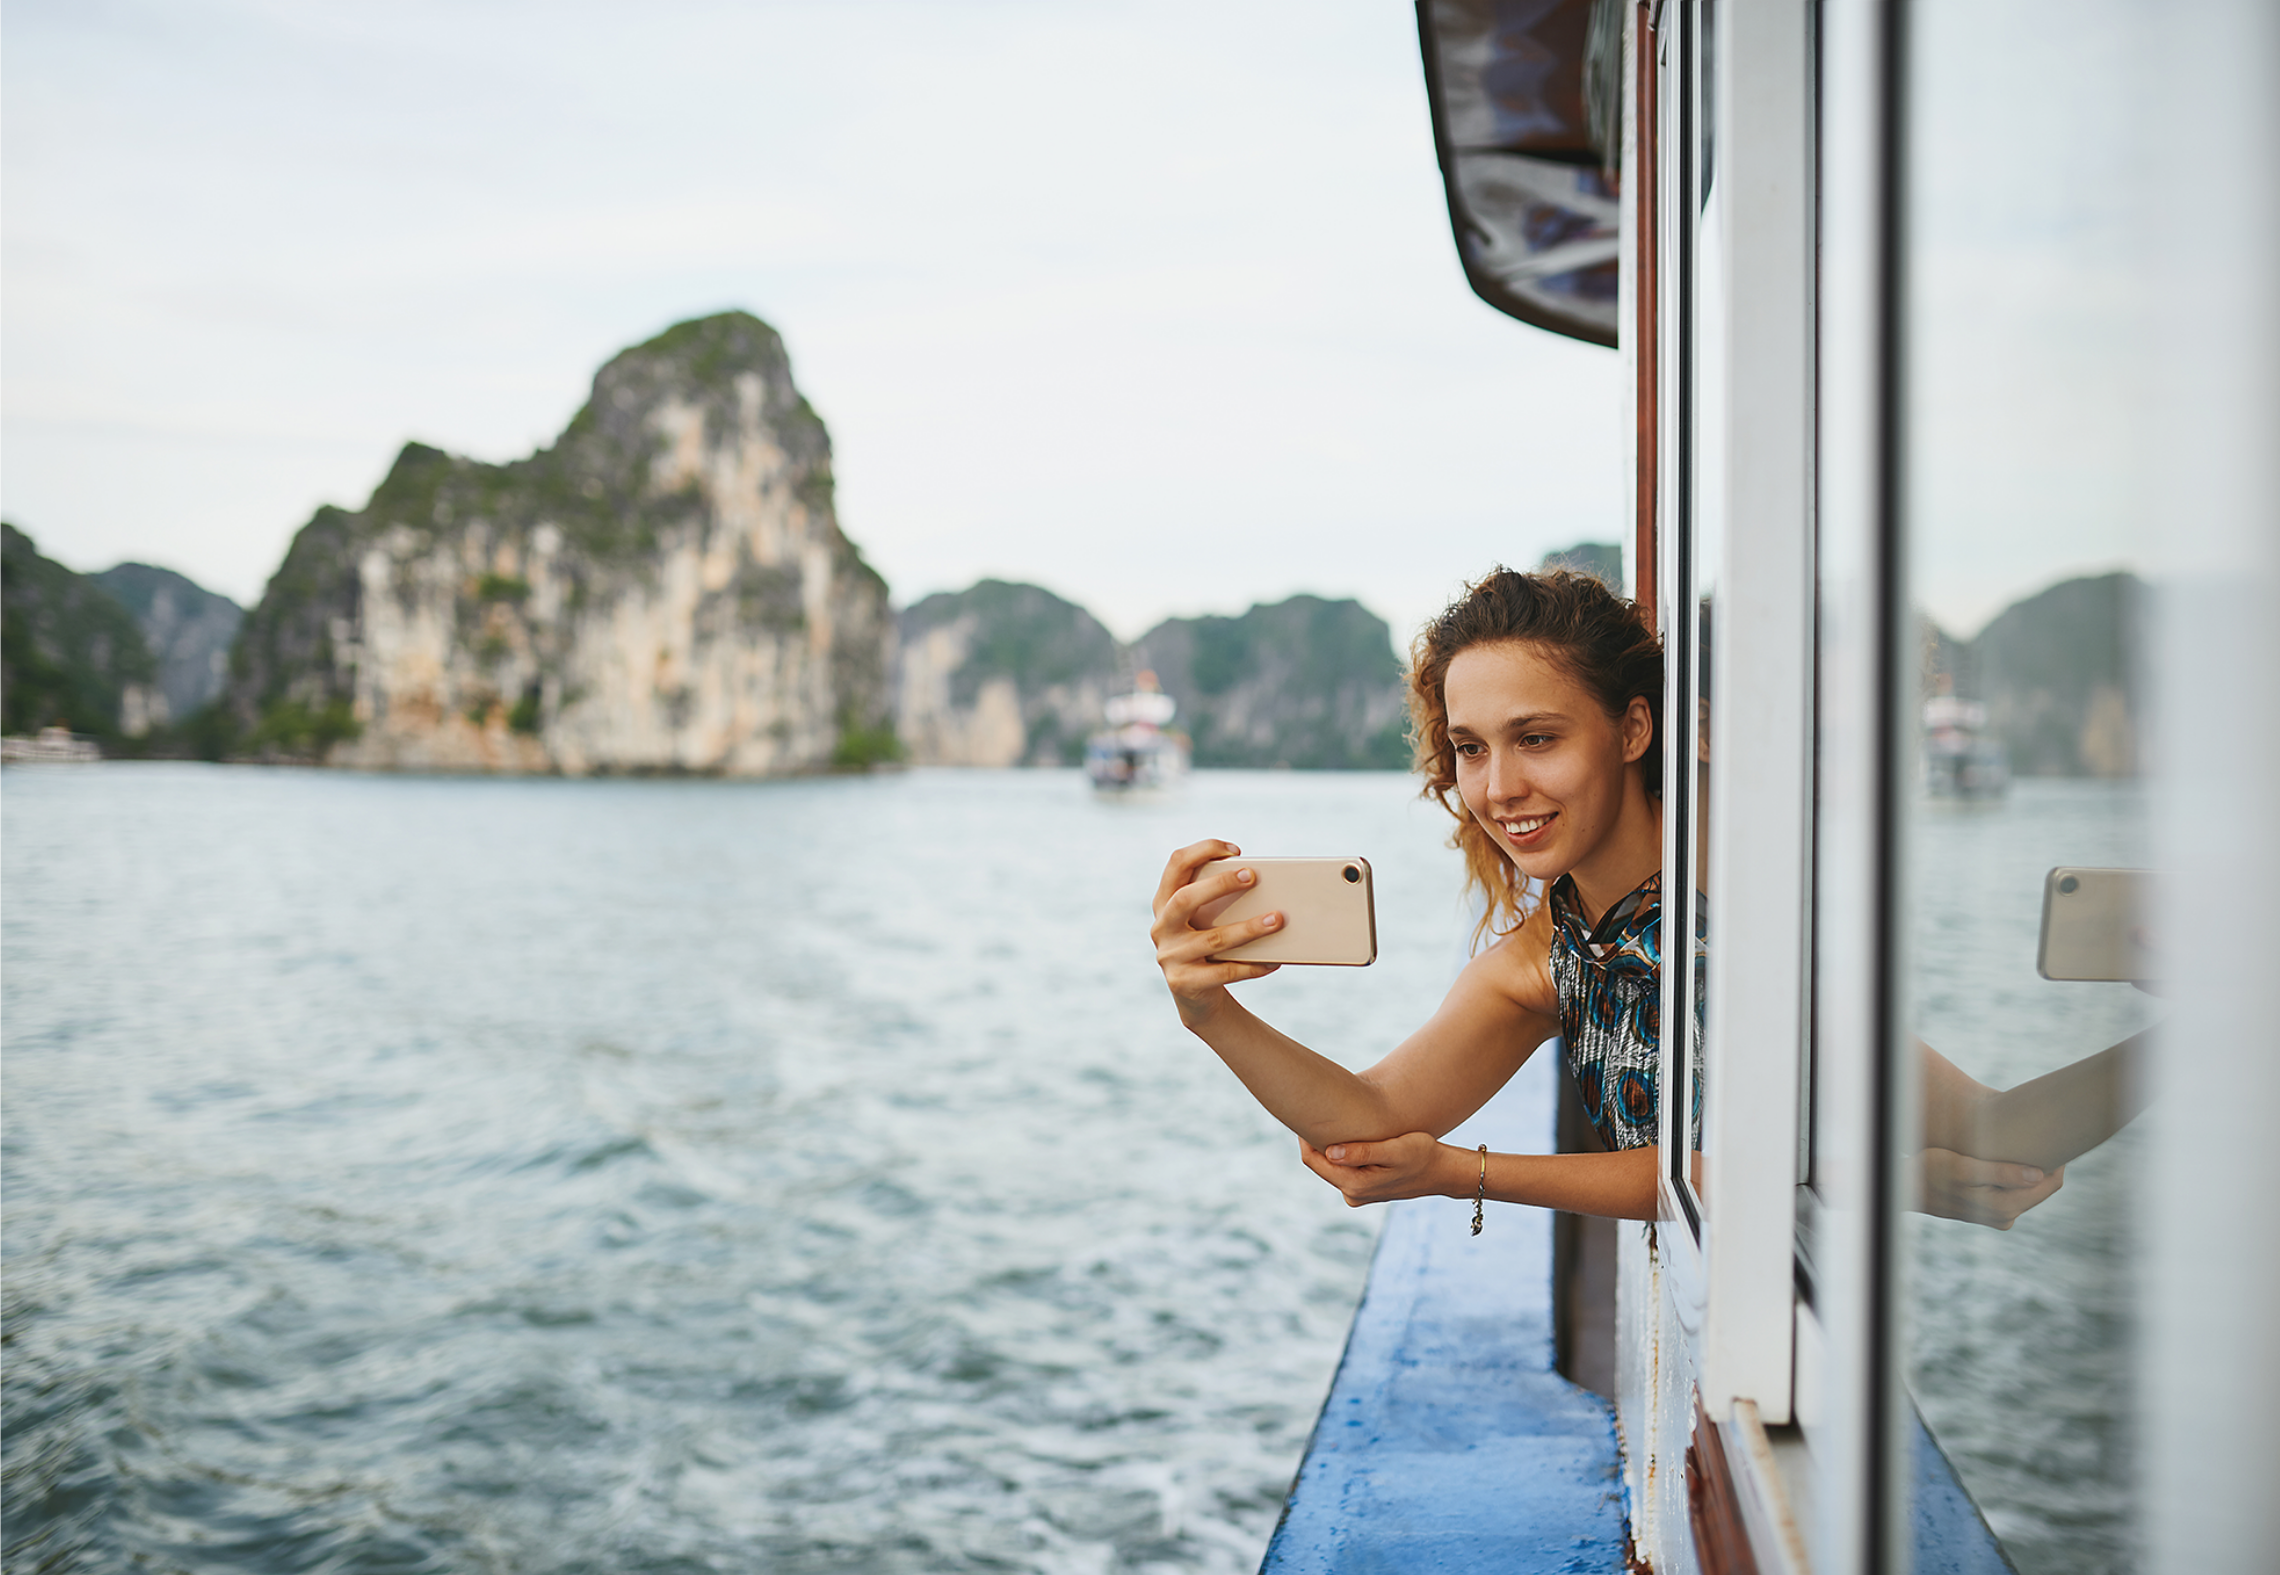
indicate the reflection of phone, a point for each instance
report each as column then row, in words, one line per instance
column 2093, row 925
column 1329, row 914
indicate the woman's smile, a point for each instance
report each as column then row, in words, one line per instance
column 1527, row 831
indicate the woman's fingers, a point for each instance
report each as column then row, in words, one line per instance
column 1178, row 942
column 1189, row 956
column 1178, row 910
column 1176, row 936
column 1312, row 1158
column 1995, row 1173
column 1378, row 1172
column 1353, row 1183
column 2016, row 1201
column 1212, row 973
column 1177, row 945
column 1180, row 868
column 1227, row 937
column 1993, row 1193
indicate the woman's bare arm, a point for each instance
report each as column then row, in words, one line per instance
column 1621, row 1185
column 2044, row 1122
column 1489, row 1024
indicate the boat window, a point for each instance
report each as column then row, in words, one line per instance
column 2023, row 814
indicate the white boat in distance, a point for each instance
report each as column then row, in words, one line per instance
column 1136, row 750
column 55, row 746
column 1961, row 757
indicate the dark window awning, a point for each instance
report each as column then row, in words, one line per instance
column 1527, row 123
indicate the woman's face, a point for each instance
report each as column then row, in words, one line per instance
column 1540, row 765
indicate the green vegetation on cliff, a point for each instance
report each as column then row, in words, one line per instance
column 1305, row 683
column 68, row 649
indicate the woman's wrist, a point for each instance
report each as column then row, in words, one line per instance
column 1456, row 1171
column 1200, row 1012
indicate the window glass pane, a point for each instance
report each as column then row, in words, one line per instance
column 2029, row 585
column 1674, row 437
column 1705, row 540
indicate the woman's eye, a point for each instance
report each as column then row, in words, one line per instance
column 1468, row 751
column 1535, row 740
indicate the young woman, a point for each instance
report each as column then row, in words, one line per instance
column 1536, row 701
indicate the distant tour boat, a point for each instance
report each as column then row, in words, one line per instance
column 1961, row 759
column 1136, row 750
column 55, row 746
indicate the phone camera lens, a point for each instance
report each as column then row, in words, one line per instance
column 1353, row 876
column 2068, row 884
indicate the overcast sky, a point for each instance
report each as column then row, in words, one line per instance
column 2028, row 306
column 1154, row 305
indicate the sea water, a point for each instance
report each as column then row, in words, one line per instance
column 444, row 1174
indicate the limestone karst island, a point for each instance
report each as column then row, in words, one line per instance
column 663, row 589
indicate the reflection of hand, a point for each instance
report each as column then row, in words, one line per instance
column 1980, row 1191
column 1414, row 1165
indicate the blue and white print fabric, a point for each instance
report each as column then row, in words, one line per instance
column 1608, row 978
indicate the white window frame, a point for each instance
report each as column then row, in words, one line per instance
column 1761, row 761
column 1732, row 1287
column 1850, row 1411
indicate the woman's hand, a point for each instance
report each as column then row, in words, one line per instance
column 1184, row 952
column 1980, row 1191
column 1415, row 1165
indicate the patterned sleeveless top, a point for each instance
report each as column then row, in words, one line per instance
column 1608, row 979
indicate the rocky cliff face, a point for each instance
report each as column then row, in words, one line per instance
column 188, row 628
column 664, row 589
column 1001, row 675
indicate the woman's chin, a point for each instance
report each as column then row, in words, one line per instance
column 1539, row 864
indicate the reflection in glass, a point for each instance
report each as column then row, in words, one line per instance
column 2028, row 579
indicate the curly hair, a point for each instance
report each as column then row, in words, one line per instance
column 1607, row 644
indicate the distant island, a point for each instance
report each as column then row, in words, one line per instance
column 666, row 588
column 1005, row 674
column 2060, row 673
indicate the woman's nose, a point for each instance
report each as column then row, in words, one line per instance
column 1506, row 781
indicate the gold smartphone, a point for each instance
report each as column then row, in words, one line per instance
column 2093, row 925
column 1329, row 913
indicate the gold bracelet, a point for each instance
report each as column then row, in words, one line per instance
column 1480, row 1193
